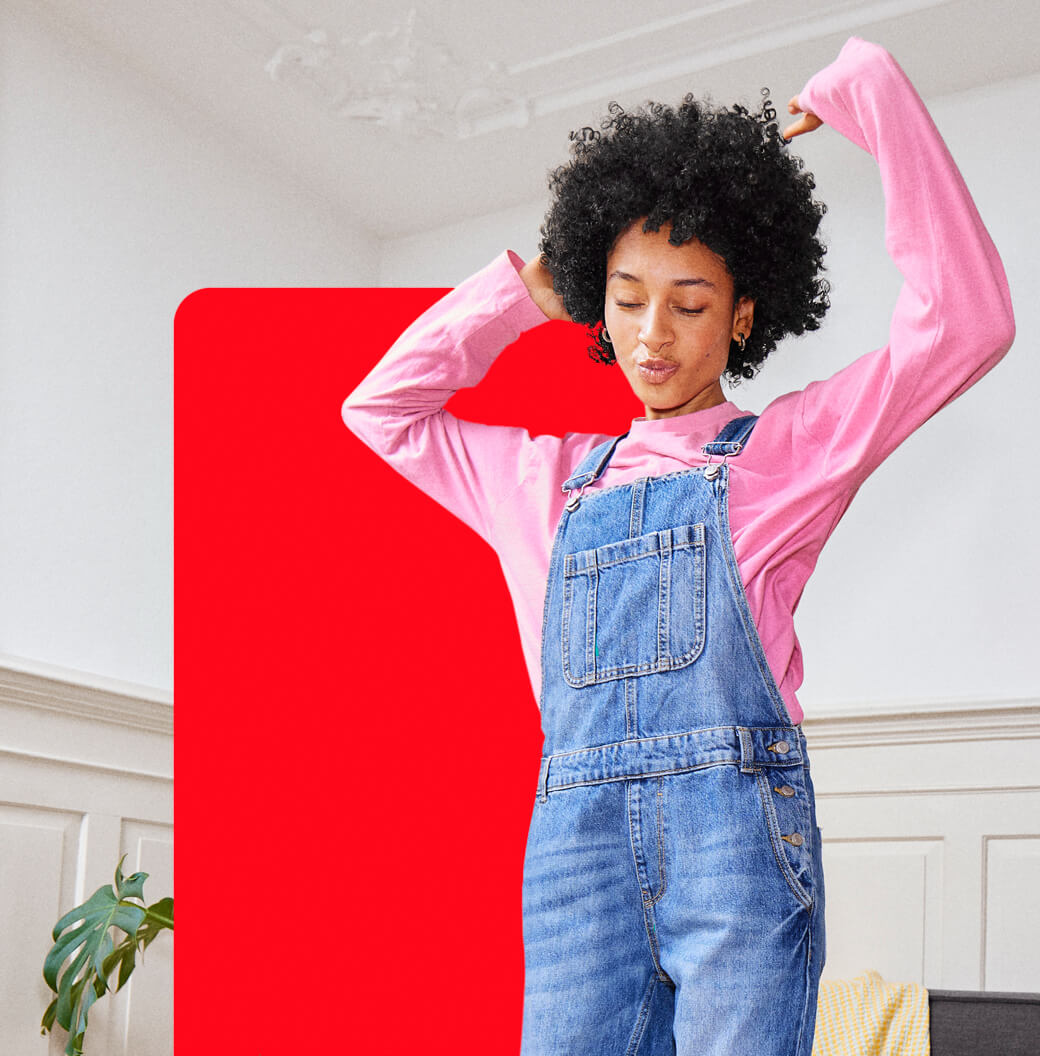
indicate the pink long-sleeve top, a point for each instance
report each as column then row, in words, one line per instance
column 810, row 451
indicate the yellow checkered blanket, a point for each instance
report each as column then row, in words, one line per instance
column 866, row 1016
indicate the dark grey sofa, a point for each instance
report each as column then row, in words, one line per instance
column 983, row 1023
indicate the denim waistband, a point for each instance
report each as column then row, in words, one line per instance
column 751, row 747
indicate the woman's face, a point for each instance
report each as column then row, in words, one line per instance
column 671, row 316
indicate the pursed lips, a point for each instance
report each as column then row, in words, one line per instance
column 656, row 371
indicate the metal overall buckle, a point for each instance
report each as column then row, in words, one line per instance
column 712, row 469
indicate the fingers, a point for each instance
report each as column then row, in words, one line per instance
column 796, row 128
column 806, row 123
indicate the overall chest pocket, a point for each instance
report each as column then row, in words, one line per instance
column 634, row 607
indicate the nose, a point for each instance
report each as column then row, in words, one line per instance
column 655, row 330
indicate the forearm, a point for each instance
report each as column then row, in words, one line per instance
column 449, row 347
column 398, row 410
column 953, row 320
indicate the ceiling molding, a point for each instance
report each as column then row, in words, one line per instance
column 558, row 67
column 418, row 84
column 680, row 61
column 663, row 28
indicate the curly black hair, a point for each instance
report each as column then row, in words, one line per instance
column 721, row 175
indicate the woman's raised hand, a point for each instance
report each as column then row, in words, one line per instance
column 538, row 280
column 806, row 123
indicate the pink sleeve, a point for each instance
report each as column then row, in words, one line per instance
column 398, row 410
column 953, row 319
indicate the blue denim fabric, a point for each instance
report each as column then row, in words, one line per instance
column 673, row 891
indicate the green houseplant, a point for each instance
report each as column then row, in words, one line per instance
column 84, row 945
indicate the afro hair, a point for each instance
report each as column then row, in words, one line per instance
column 723, row 176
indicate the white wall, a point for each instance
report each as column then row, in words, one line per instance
column 115, row 202
column 918, row 627
column 446, row 255
column 925, row 589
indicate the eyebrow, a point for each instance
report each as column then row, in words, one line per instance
column 626, row 277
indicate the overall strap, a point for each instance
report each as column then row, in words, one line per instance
column 592, row 465
column 732, row 436
column 730, row 441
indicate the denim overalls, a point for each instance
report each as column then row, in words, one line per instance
column 673, row 892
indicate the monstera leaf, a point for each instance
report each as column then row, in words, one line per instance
column 83, row 944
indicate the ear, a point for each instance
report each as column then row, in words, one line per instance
column 743, row 316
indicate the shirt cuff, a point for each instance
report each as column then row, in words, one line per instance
column 523, row 313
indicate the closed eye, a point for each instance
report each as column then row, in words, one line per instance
column 684, row 311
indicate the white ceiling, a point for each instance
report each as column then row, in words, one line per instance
column 560, row 63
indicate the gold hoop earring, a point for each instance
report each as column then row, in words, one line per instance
column 606, row 336
column 741, row 342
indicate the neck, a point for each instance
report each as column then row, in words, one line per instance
column 712, row 396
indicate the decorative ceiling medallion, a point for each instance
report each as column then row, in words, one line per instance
column 396, row 81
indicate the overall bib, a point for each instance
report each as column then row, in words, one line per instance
column 673, row 897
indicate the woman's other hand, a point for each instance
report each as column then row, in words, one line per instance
column 806, row 123
column 538, row 280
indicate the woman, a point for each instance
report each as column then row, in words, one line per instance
column 673, row 886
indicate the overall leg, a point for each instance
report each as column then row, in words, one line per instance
column 741, row 925
column 592, row 985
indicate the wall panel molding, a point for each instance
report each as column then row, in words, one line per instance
column 73, row 693
column 859, row 725
column 86, row 774
column 930, row 812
